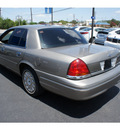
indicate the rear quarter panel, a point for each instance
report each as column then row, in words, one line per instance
column 48, row 62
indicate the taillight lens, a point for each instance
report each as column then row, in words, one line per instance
column 83, row 32
column 107, row 38
column 78, row 68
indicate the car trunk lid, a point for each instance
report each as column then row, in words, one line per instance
column 102, row 34
column 97, row 58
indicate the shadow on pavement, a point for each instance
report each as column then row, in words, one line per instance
column 76, row 109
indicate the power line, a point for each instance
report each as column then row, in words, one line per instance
column 62, row 10
column 55, row 11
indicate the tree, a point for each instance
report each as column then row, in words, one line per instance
column 20, row 22
column 63, row 22
column 113, row 22
column 32, row 23
column 7, row 23
column 74, row 22
column 1, row 21
column 42, row 22
column 24, row 22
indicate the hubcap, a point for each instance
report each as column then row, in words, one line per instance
column 29, row 82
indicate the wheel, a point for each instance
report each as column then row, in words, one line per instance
column 31, row 83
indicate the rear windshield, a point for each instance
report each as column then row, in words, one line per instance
column 110, row 29
column 57, row 37
column 87, row 29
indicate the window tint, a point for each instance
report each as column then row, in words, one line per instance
column 97, row 30
column 23, row 39
column 87, row 29
column 110, row 29
column 82, row 28
column 55, row 37
column 18, row 38
column 118, row 32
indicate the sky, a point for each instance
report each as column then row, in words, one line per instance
column 69, row 14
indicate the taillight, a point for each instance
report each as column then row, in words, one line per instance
column 107, row 38
column 78, row 68
column 83, row 32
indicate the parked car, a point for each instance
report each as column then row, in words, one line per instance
column 78, row 28
column 113, row 41
column 102, row 35
column 60, row 60
column 87, row 32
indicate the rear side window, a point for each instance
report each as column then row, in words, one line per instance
column 110, row 29
column 23, row 39
column 57, row 37
column 18, row 37
column 118, row 32
column 87, row 29
column 99, row 29
column 82, row 28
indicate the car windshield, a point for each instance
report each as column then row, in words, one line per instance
column 86, row 29
column 57, row 37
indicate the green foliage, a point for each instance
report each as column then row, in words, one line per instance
column 7, row 23
column 63, row 22
column 24, row 22
column 42, row 22
column 113, row 22
column 20, row 22
column 74, row 22
column 32, row 23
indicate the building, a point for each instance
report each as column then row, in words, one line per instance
column 101, row 24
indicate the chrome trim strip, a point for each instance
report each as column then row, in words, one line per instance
column 78, row 77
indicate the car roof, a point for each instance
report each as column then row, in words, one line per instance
column 37, row 27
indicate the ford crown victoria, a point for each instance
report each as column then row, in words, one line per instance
column 60, row 60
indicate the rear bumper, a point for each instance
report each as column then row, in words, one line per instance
column 100, row 41
column 80, row 89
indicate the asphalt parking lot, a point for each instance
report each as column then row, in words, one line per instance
column 17, row 106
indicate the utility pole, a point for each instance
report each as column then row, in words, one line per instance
column 52, row 16
column 19, row 18
column 0, row 13
column 31, row 15
column 93, row 17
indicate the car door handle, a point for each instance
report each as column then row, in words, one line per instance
column 18, row 54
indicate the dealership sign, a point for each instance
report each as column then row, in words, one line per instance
column 48, row 10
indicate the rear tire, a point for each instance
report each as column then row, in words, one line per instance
column 31, row 82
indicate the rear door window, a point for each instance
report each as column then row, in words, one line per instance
column 18, row 38
column 23, row 39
